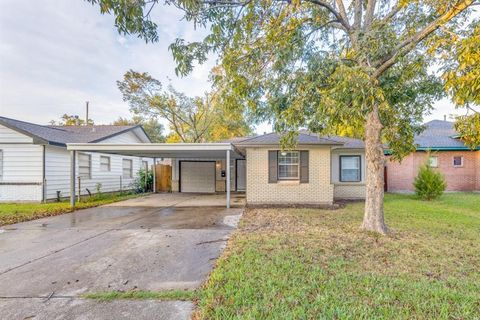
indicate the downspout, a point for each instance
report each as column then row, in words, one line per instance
column 44, row 181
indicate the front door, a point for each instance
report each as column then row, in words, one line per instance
column 241, row 175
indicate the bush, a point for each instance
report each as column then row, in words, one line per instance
column 143, row 184
column 429, row 184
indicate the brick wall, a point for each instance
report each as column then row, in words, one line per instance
column 318, row 190
column 349, row 191
column 400, row 176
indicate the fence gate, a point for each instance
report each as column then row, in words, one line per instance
column 163, row 173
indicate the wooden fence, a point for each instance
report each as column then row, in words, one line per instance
column 163, row 173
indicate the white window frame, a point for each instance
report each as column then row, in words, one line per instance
column 1, row 164
column 341, row 157
column 461, row 161
column 89, row 167
column 108, row 164
column 145, row 165
column 280, row 163
column 130, row 170
column 430, row 162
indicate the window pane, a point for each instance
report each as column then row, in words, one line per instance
column 288, row 164
column 288, row 157
column 104, row 163
column 127, row 168
column 288, row 171
column 350, row 169
column 457, row 161
column 350, row 162
column 433, row 162
column 84, row 165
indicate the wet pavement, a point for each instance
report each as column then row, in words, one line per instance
column 160, row 245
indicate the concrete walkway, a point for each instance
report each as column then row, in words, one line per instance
column 159, row 242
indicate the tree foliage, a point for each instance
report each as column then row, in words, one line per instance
column 70, row 120
column 152, row 126
column 462, row 80
column 197, row 119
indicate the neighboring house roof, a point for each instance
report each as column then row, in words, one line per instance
column 61, row 135
column 439, row 135
column 304, row 138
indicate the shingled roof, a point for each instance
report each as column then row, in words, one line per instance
column 439, row 135
column 273, row 138
column 61, row 135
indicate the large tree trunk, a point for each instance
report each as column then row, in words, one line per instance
column 375, row 161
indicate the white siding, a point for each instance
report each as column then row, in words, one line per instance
column 58, row 173
column 22, row 165
column 8, row 135
column 127, row 137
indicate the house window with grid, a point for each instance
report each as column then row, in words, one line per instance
column 105, row 164
column 127, row 168
column 350, row 169
column 84, row 166
column 458, row 161
column 288, row 165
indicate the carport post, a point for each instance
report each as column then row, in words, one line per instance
column 73, row 155
column 227, row 165
column 154, row 175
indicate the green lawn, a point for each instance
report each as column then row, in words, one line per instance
column 316, row 264
column 183, row 295
column 18, row 212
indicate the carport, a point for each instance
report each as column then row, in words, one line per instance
column 197, row 151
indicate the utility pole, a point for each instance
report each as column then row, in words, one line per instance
column 86, row 118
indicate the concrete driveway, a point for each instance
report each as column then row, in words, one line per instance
column 158, row 242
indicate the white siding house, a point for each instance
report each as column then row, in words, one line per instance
column 35, row 164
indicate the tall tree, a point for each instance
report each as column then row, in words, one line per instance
column 152, row 126
column 318, row 63
column 190, row 119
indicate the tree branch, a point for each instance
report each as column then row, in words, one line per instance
column 343, row 12
column 333, row 11
column 407, row 45
column 369, row 14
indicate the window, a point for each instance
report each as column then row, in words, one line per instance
column 1, row 165
column 350, row 169
column 105, row 164
column 84, row 165
column 433, row 161
column 288, row 165
column 145, row 165
column 127, row 168
column 458, row 161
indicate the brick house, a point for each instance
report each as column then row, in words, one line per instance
column 459, row 164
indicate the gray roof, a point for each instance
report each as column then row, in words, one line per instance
column 304, row 138
column 349, row 143
column 61, row 135
column 439, row 134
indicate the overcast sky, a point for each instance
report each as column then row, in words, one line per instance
column 57, row 54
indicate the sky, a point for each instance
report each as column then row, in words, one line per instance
column 57, row 54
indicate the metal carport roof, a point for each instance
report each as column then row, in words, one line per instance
column 157, row 150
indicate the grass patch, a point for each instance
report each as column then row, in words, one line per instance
column 317, row 264
column 18, row 212
column 182, row 295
